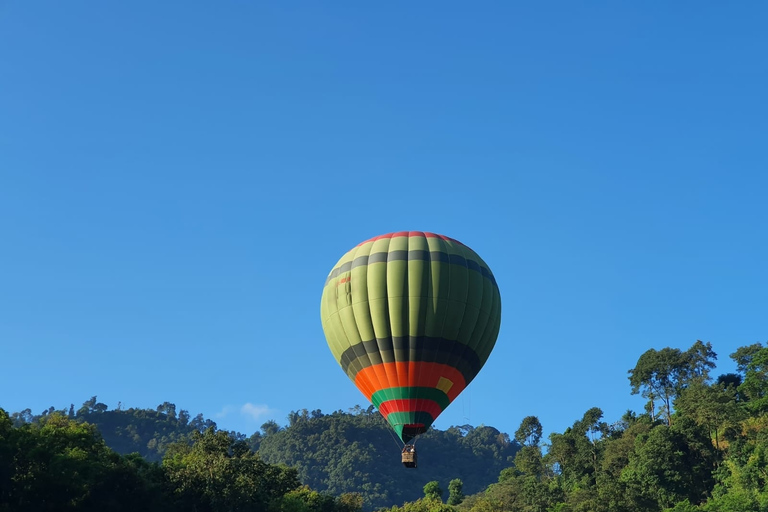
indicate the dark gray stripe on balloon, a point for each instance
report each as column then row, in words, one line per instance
column 402, row 349
column 384, row 257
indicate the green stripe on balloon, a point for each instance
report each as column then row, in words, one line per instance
column 404, row 393
column 417, row 255
column 398, row 421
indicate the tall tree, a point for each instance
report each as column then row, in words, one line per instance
column 755, row 385
column 663, row 374
column 455, row 493
column 529, row 432
column 743, row 355
column 433, row 491
column 529, row 460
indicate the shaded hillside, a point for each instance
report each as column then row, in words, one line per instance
column 356, row 452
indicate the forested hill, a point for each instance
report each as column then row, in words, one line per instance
column 341, row 452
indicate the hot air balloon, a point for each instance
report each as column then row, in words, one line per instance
column 411, row 317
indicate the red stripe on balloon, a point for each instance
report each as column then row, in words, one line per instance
column 411, row 405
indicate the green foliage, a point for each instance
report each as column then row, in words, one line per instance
column 144, row 431
column 709, row 453
column 743, row 356
column 529, row 432
column 755, row 385
column 350, row 454
column 714, row 408
column 355, row 451
column 684, row 506
column 663, row 374
column 670, row 464
column 455, row 491
column 219, row 473
column 529, row 461
column 432, row 490
column 148, row 432
column 59, row 464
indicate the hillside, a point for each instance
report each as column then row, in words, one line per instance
column 356, row 452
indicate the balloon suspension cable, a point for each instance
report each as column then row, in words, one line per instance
column 395, row 439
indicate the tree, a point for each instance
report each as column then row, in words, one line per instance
column 712, row 407
column 433, row 491
column 269, row 428
column 61, row 464
column 743, row 356
column 23, row 417
column 168, row 409
column 663, row 374
column 349, row 501
column 755, row 385
column 455, row 494
column 670, row 464
column 87, row 406
column 529, row 432
column 577, row 452
column 218, row 473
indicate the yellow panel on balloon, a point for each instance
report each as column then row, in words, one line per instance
column 444, row 385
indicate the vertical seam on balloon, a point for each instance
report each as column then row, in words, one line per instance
column 456, row 356
column 432, row 367
column 352, row 310
column 466, row 345
column 491, row 325
column 412, row 340
column 488, row 337
column 367, row 310
column 341, row 321
column 487, row 286
column 418, row 402
column 376, row 371
column 476, row 346
column 407, row 310
column 388, row 320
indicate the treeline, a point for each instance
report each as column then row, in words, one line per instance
column 59, row 464
column 700, row 445
column 337, row 453
column 351, row 451
column 147, row 432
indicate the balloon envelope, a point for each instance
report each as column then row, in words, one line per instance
column 411, row 317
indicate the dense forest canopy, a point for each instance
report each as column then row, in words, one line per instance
column 701, row 444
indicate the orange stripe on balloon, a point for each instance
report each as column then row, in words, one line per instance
column 418, row 374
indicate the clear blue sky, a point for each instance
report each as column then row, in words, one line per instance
column 178, row 178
